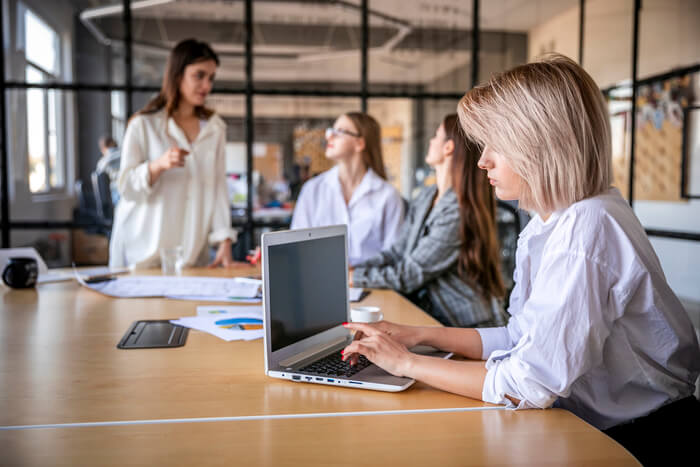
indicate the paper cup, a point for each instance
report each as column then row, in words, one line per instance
column 366, row 314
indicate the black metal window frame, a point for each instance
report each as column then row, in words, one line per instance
column 685, row 154
column 250, row 91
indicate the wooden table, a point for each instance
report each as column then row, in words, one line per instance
column 59, row 365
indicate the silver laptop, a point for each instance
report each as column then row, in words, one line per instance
column 305, row 299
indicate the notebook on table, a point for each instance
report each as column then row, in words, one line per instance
column 305, row 302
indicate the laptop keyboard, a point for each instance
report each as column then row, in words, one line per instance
column 333, row 365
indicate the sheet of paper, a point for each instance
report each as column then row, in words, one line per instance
column 195, row 288
column 355, row 293
column 214, row 298
column 243, row 311
column 224, row 321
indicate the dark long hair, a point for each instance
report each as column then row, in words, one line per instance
column 371, row 132
column 479, row 263
column 184, row 53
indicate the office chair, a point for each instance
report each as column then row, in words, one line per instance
column 103, row 198
column 508, row 224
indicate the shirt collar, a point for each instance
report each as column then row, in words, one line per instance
column 370, row 182
column 176, row 133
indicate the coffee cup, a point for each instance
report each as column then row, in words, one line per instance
column 366, row 314
column 20, row 272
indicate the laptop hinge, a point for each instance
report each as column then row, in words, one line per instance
column 308, row 353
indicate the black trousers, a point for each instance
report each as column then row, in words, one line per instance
column 669, row 436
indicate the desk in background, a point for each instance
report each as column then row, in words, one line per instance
column 59, row 364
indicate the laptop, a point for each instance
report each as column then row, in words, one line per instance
column 305, row 302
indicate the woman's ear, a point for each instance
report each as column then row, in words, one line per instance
column 359, row 144
column 448, row 149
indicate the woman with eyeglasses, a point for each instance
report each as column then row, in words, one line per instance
column 171, row 180
column 355, row 192
column 446, row 257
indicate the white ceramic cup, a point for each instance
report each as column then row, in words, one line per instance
column 366, row 314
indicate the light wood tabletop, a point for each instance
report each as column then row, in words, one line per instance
column 498, row 437
column 59, row 364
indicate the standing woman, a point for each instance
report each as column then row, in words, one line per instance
column 171, row 181
column 446, row 256
column 355, row 192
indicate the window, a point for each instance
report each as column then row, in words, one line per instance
column 44, row 144
column 118, row 111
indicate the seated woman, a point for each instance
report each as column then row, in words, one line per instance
column 172, row 176
column 355, row 192
column 446, row 256
column 594, row 327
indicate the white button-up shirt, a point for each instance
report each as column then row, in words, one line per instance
column 373, row 215
column 186, row 206
column 594, row 326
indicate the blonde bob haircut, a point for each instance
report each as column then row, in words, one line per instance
column 549, row 120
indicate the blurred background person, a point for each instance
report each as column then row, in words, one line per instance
column 354, row 192
column 172, row 176
column 446, row 257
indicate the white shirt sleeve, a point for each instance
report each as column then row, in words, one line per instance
column 570, row 315
column 134, row 179
column 393, row 218
column 494, row 339
column 221, row 222
column 301, row 219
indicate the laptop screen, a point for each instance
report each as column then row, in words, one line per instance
column 307, row 288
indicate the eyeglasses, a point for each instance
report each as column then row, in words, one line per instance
column 338, row 132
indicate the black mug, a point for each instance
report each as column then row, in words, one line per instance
column 20, row 273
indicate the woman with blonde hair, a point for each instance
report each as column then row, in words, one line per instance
column 354, row 192
column 594, row 326
column 171, row 180
column 446, row 257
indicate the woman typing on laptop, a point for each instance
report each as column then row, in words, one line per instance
column 446, row 257
column 594, row 326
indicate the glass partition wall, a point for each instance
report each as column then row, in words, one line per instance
column 76, row 70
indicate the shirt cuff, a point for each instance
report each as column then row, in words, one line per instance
column 493, row 339
column 506, row 377
column 144, row 177
column 220, row 235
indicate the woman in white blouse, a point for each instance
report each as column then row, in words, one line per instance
column 594, row 326
column 355, row 192
column 172, row 175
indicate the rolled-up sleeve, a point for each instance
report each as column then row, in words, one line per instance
column 569, row 318
column 134, row 178
column 493, row 339
column 221, row 222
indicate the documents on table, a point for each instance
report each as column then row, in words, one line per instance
column 180, row 287
column 229, row 323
